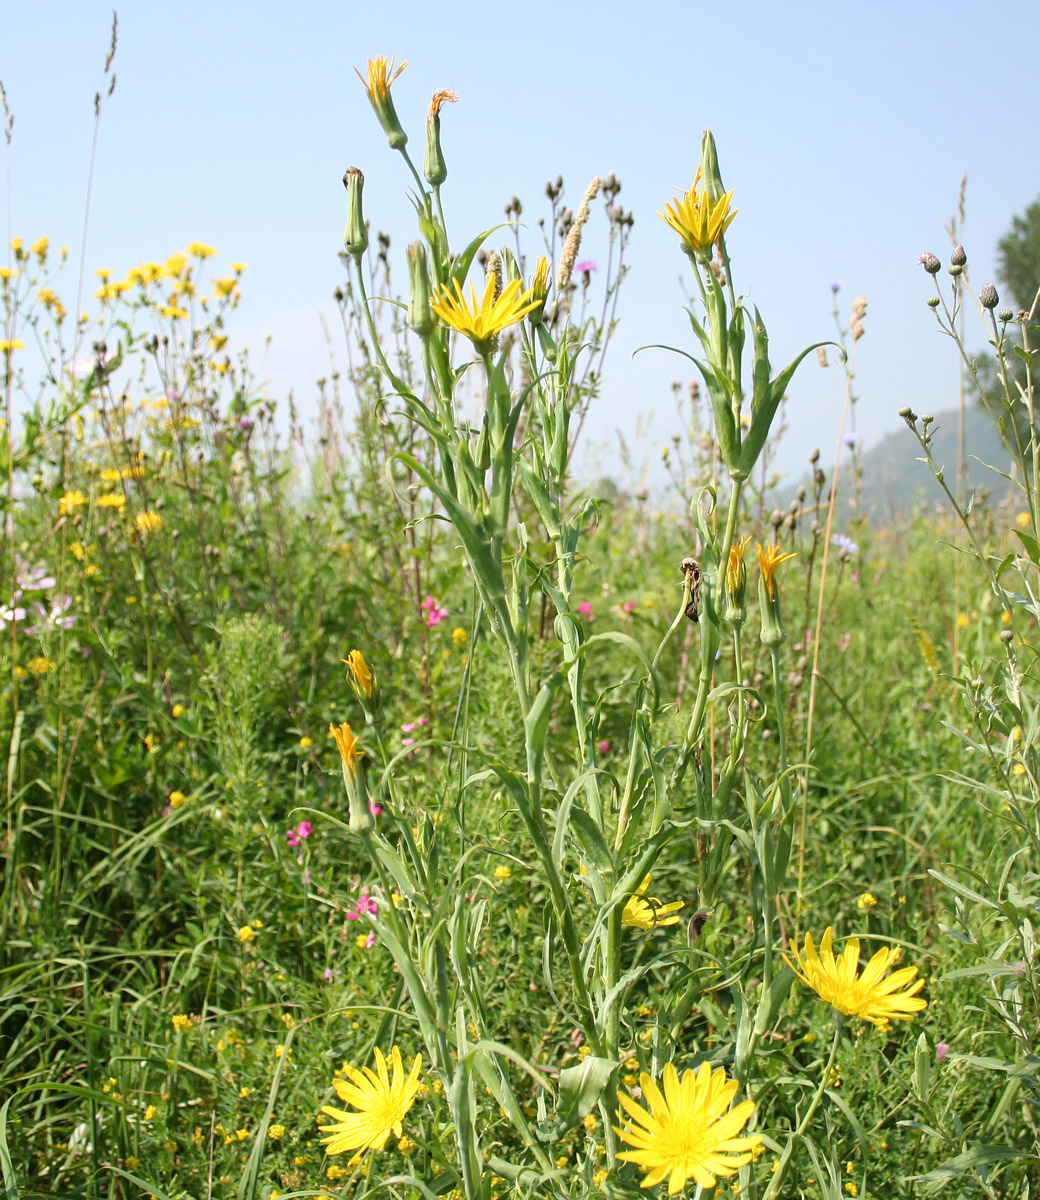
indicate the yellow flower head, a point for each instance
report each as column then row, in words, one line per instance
column 347, row 745
column 484, row 319
column 644, row 912
column 541, row 277
column 768, row 560
column 71, row 501
column 359, row 676
column 736, row 572
column 869, row 996
column 697, row 221
column 247, row 934
column 381, row 75
column 438, row 99
column 39, row 247
column 148, row 522
column 687, row 1133
column 382, row 1103
column 201, row 250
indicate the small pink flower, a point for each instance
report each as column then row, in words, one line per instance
column 408, row 727
column 423, row 721
column 585, row 608
column 304, row 829
column 374, row 809
column 629, row 606
column 844, row 642
column 292, row 839
column 603, row 746
column 586, row 265
column 407, row 741
column 370, row 941
column 941, row 1051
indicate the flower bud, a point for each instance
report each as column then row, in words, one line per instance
column 378, row 87
column 420, row 315
column 932, row 301
column 540, row 288
column 355, row 236
column 734, row 585
column 361, row 819
column 1005, row 315
column 365, row 687
column 434, row 167
column 988, row 296
column 958, row 258
column 930, row 263
column 710, row 173
column 772, row 632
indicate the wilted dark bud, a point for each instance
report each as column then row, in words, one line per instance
column 355, row 237
column 988, row 296
column 420, row 314
column 776, row 518
column 930, row 263
column 958, row 258
column 434, row 167
column 814, row 458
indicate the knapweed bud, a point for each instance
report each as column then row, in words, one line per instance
column 932, row 301
column 1006, row 636
column 988, row 297
column 1005, row 315
column 957, row 257
column 930, row 263
column 365, row 686
column 772, row 632
column 420, row 315
column 434, row 167
column 908, row 414
column 381, row 75
column 734, row 588
column 355, row 236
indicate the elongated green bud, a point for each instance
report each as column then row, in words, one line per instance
column 434, row 167
column 355, row 236
column 420, row 315
column 710, row 174
column 772, row 632
column 734, row 589
column 381, row 75
column 361, row 819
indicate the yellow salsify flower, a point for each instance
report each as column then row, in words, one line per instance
column 360, row 676
column 201, row 250
column 687, row 1134
column 768, row 560
column 735, row 566
column 484, row 319
column 869, row 996
column 382, row 1103
column 347, row 745
column 697, row 221
column 381, row 75
column 9, row 344
column 645, row 912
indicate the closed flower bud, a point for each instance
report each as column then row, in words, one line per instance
column 361, row 819
column 734, row 586
column 988, row 297
column 958, row 258
column 1005, row 315
column 930, row 263
column 420, row 315
column 434, row 167
column 355, row 236
column 932, row 302
column 365, row 686
column 772, row 633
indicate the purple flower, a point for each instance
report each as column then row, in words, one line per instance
column 941, row 1051
column 245, row 424
column 8, row 615
column 835, row 286
column 327, row 974
column 587, row 265
column 844, row 542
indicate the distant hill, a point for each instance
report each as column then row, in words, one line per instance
column 894, row 480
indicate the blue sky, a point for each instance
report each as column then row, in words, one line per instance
column 844, row 131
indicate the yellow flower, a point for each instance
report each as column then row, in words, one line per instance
column 9, row 344
column 71, row 501
column 40, row 666
column 503, row 872
column 1022, row 519
column 458, row 635
column 306, row 742
column 865, row 901
column 224, row 286
column 360, row 676
column 697, row 221
column 381, row 75
column 174, row 312
column 201, row 250
column 483, row 320
column 111, row 500
column 347, row 745
column 181, row 1023
column 148, row 522
column 39, row 247
column 646, row 912
column 150, row 1112
column 768, row 560
column 962, row 620
column 132, row 1162
column 736, row 572
column 238, row 267
column 276, row 1132
column 177, row 799
column 361, row 941
column 173, row 266
column 178, row 710
column 247, row 934
column 869, row 996
column 335, row 1172
column 9, row 272
column 382, row 1105
column 685, row 1134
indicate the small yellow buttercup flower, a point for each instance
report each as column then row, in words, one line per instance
column 503, row 872
column 306, row 742
column 178, row 710
column 150, row 1112
column 458, row 635
column 181, row 1023
column 276, row 1132
column 177, row 799
column 865, row 901
column 111, row 500
column 246, row 934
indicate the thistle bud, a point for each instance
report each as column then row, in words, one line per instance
column 434, row 167
column 1005, row 315
column 365, row 687
column 988, row 297
column 958, row 258
column 420, row 314
column 930, row 263
column 355, row 237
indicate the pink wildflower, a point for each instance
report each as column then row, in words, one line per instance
column 603, row 746
column 585, row 608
